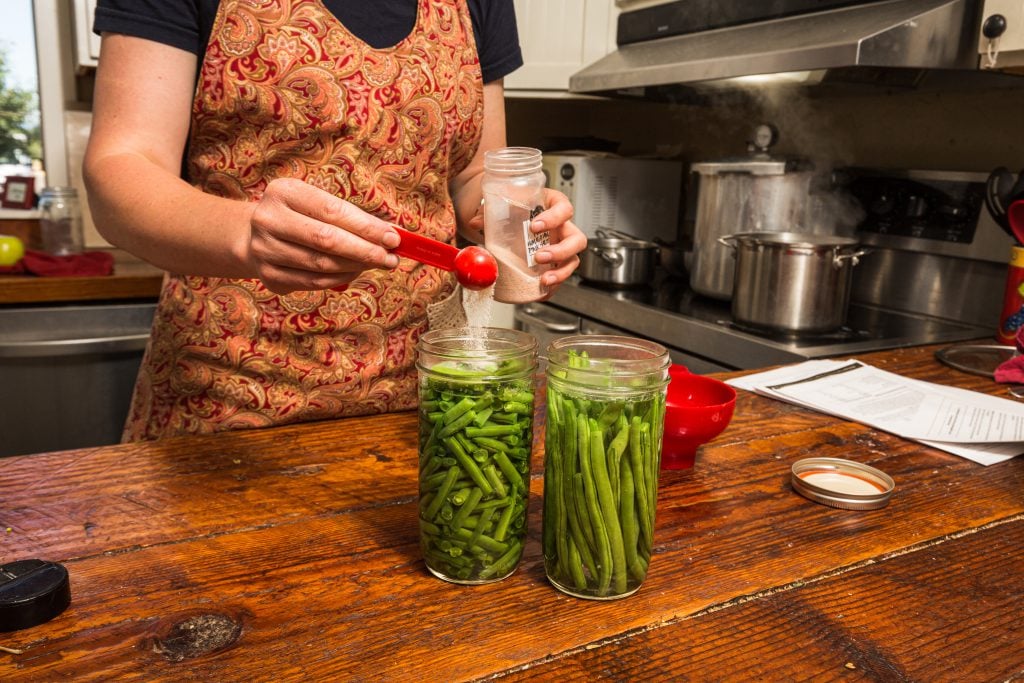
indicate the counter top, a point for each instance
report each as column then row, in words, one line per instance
column 131, row 279
column 292, row 554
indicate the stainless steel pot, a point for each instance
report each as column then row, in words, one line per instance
column 619, row 262
column 792, row 282
column 757, row 192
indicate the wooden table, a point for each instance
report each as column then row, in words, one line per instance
column 291, row 554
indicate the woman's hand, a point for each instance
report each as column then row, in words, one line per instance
column 567, row 240
column 304, row 238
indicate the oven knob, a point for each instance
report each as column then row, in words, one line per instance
column 916, row 206
column 881, row 205
column 567, row 172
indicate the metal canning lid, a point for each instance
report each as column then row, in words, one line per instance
column 842, row 483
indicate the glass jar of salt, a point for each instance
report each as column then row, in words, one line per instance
column 513, row 189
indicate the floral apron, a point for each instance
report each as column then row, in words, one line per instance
column 285, row 90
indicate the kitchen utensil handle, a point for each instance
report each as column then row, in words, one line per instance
column 73, row 347
column 611, row 258
column 425, row 250
column 854, row 257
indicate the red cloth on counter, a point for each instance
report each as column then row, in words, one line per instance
column 1012, row 371
column 40, row 263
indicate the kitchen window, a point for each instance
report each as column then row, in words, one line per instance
column 34, row 47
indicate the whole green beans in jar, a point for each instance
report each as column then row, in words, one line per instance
column 605, row 418
column 476, row 401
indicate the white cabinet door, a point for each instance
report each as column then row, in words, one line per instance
column 558, row 38
column 87, row 43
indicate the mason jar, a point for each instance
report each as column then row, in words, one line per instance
column 513, row 189
column 605, row 419
column 476, row 398
column 60, row 221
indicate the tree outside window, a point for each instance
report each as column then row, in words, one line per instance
column 21, row 149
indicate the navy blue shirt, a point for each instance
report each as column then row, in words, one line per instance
column 186, row 24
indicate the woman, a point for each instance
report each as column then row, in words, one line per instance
column 260, row 153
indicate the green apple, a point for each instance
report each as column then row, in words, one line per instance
column 11, row 250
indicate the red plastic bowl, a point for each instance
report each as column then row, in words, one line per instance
column 697, row 409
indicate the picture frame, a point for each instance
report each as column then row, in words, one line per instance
column 19, row 192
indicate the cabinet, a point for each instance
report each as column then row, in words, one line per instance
column 87, row 43
column 558, row 38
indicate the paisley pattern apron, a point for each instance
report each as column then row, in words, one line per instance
column 286, row 90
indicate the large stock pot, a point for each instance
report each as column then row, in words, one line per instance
column 753, row 193
column 790, row 282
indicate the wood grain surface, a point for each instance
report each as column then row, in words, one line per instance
column 292, row 554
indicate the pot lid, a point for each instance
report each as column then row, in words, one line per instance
column 758, row 161
column 793, row 239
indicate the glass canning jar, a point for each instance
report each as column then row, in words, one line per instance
column 513, row 189
column 60, row 221
column 605, row 418
column 476, row 398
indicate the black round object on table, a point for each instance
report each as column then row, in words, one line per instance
column 32, row 592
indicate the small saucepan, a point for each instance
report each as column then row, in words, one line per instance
column 619, row 261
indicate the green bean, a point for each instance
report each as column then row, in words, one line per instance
column 630, row 528
column 482, row 523
column 482, row 416
column 442, row 492
column 458, row 410
column 466, row 508
column 491, row 472
column 492, row 430
column 458, row 424
column 483, row 541
column 640, row 477
column 602, row 544
column 505, row 563
column 501, row 529
column 608, row 508
column 576, row 566
column 467, row 464
column 509, row 470
column 492, row 444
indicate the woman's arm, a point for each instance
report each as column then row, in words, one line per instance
column 567, row 240
column 296, row 237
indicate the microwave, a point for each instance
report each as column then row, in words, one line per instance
column 641, row 197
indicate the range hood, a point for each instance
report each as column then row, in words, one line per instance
column 884, row 36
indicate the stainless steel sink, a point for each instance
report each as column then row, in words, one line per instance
column 67, row 373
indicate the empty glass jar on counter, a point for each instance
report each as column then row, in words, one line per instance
column 476, row 389
column 60, row 221
column 605, row 418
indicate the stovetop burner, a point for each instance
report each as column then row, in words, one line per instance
column 840, row 335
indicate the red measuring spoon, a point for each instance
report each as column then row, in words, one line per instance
column 474, row 267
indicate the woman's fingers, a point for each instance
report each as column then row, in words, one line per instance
column 325, row 233
column 561, row 272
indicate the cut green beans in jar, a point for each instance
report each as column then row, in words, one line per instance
column 476, row 402
column 605, row 417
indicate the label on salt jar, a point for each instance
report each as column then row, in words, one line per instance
column 534, row 243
